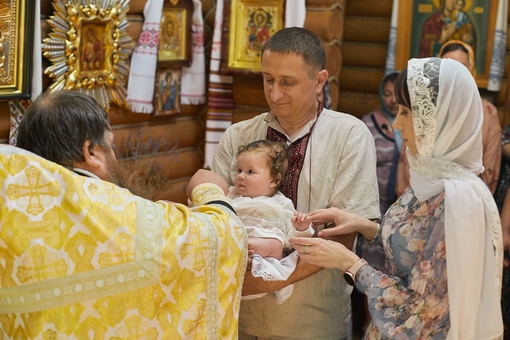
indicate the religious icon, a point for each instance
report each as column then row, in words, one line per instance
column 16, row 43
column 92, row 49
column 449, row 22
column 167, row 92
column 174, row 46
column 251, row 25
column 425, row 25
column 259, row 23
column 170, row 36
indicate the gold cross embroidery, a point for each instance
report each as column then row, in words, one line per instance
column 41, row 270
column 196, row 247
column 133, row 328
column 197, row 324
column 114, row 198
column 34, row 190
column 49, row 334
column 125, row 254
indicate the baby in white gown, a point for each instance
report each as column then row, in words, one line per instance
column 268, row 216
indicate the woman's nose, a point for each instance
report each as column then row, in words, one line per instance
column 397, row 124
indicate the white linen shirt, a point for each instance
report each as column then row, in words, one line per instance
column 339, row 170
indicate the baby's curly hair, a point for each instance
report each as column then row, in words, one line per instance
column 277, row 156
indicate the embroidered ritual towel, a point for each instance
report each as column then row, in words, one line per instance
column 392, row 41
column 295, row 13
column 144, row 59
column 499, row 49
column 193, row 77
column 220, row 102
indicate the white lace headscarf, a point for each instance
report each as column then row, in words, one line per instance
column 447, row 118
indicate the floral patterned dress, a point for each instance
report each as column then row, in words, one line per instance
column 499, row 197
column 409, row 298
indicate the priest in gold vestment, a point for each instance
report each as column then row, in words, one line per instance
column 81, row 258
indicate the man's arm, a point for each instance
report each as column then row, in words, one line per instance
column 253, row 285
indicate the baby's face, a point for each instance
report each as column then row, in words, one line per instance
column 253, row 178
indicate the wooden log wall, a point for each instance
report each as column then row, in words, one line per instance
column 365, row 43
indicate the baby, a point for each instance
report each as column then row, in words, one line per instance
column 268, row 216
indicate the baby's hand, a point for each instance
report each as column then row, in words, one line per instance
column 301, row 221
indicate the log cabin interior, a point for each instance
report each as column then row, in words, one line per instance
column 165, row 151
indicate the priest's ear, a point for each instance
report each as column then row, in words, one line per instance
column 93, row 159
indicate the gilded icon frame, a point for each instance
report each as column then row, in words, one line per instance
column 82, row 33
column 414, row 14
column 174, row 49
column 16, row 41
column 248, row 33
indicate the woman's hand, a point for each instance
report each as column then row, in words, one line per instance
column 324, row 253
column 345, row 223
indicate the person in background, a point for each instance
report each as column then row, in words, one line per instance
column 442, row 237
column 331, row 164
column 491, row 128
column 387, row 141
column 387, row 146
column 84, row 258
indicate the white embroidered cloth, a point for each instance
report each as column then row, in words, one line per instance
column 142, row 71
column 499, row 48
column 193, row 77
column 271, row 269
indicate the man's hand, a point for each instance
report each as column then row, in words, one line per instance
column 206, row 176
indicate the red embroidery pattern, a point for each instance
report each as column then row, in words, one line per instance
column 197, row 38
column 149, row 37
column 297, row 153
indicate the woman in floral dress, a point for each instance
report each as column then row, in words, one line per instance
column 442, row 238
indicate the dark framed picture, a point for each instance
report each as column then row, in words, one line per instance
column 424, row 25
column 174, row 47
column 167, row 94
column 16, row 41
column 251, row 25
